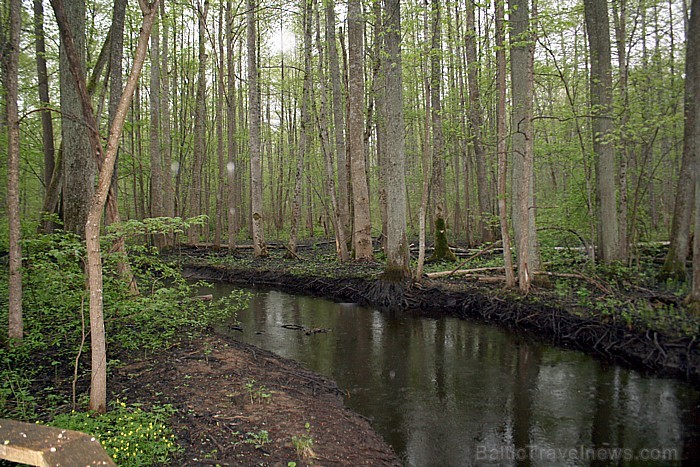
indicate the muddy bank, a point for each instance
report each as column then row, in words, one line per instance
column 649, row 351
column 241, row 405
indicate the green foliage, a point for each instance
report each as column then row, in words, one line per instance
column 259, row 439
column 56, row 317
column 304, row 443
column 257, row 392
column 132, row 436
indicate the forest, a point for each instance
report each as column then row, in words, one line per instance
column 401, row 132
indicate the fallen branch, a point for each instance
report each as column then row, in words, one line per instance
column 462, row 272
column 476, row 255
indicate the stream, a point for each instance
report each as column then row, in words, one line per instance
column 450, row 392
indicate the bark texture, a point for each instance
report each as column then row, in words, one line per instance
column 674, row 265
column 596, row 15
column 16, row 326
column 393, row 162
column 362, row 240
column 79, row 166
column 256, row 185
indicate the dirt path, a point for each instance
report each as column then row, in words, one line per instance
column 240, row 405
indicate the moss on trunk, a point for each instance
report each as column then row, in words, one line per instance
column 442, row 250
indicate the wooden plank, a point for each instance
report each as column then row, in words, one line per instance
column 49, row 446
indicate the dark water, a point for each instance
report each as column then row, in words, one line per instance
column 452, row 392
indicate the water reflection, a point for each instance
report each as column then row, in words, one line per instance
column 451, row 392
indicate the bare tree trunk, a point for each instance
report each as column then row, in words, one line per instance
column 15, row 321
column 98, row 386
column 168, row 194
column 154, row 148
column 46, row 121
column 78, row 160
column 393, row 162
column 501, row 144
column 338, row 117
column 221, row 184
column 116, row 54
column 199, row 125
column 674, row 265
column 620, row 21
column 596, row 15
column 693, row 298
column 231, row 130
column 442, row 250
column 326, row 146
column 304, row 136
column 425, row 159
column 522, row 53
column 476, row 124
column 256, row 183
column 362, row 240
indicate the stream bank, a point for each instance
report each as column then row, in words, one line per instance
column 538, row 315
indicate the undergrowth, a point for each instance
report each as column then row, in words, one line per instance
column 37, row 377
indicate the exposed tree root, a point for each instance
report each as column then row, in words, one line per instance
column 646, row 351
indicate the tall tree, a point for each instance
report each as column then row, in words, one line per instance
column 501, row 141
column 79, row 165
column 16, row 326
column 476, row 124
column 305, row 131
column 393, row 162
column 256, row 182
column 221, row 96
column 522, row 81
column 327, row 149
column 43, row 88
column 362, row 239
column 200, row 127
column 338, row 116
column 598, row 28
column 98, row 382
column 155, row 147
column 438, row 190
column 168, row 194
column 674, row 265
column 231, row 129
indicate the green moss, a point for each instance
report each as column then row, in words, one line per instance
column 442, row 250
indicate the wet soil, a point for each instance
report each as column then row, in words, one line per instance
column 241, row 405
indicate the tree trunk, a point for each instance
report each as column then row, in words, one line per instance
column 362, row 240
column 98, row 386
column 200, row 127
column 232, row 147
column 596, row 15
column 425, row 159
column 694, row 295
column 338, row 117
column 620, row 21
column 522, row 53
column 476, row 124
column 256, row 183
column 168, row 194
column 442, row 250
column 154, row 148
column 305, row 134
column 221, row 169
column 393, row 162
column 15, row 321
column 674, row 265
column 46, row 121
column 116, row 55
column 78, row 161
column 501, row 143
column 328, row 152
